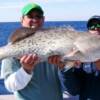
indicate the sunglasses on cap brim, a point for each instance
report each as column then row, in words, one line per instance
column 94, row 27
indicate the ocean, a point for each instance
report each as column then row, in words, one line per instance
column 7, row 28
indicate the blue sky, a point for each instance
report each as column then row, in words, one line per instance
column 55, row 10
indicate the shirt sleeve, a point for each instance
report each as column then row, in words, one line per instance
column 18, row 80
column 15, row 77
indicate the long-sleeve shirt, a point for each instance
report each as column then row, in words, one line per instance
column 42, row 84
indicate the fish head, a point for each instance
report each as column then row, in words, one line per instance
column 21, row 33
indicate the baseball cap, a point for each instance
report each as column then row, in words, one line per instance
column 31, row 6
column 93, row 21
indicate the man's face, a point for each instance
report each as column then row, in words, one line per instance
column 33, row 20
column 95, row 32
column 95, row 29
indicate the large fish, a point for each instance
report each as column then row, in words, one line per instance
column 70, row 44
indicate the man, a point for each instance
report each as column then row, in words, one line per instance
column 26, row 76
column 84, row 80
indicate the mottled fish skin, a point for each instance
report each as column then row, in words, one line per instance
column 51, row 41
column 88, row 46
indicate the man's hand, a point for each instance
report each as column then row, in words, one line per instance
column 77, row 64
column 28, row 62
column 97, row 65
column 56, row 60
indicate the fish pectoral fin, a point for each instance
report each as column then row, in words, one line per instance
column 69, row 64
column 72, row 52
column 70, row 55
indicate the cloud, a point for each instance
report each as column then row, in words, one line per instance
column 11, row 5
column 14, row 6
column 20, row 3
column 39, row 1
column 59, row 1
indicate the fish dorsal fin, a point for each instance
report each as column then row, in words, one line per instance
column 67, row 28
column 20, row 34
column 70, row 28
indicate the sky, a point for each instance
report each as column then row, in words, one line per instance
column 55, row 10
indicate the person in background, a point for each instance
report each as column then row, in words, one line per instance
column 26, row 76
column 84, row 78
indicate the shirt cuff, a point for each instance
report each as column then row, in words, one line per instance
column 24, row 72
column 18, row 80
column 65, row 68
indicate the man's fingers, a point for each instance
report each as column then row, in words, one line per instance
column 23, row 58
column 29, row 59
column 54, row 59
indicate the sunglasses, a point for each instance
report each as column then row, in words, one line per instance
column 35, row 17
column 94, row 27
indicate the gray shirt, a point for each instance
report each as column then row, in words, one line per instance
column 43, row 85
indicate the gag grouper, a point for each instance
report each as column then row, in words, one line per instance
column 53, row 41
